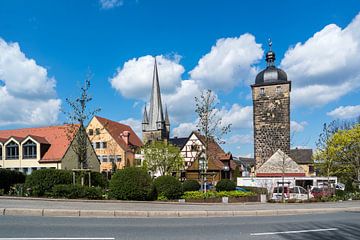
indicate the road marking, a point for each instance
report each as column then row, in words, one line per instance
column 54, row 238
column 298, row 231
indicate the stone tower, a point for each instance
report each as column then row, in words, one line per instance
column 271, row 111
column 155, row 126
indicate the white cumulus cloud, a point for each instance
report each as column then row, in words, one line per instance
column 237, row 116
column 27, row 93
column 184, row 129
column 297, row 127
column 240, row 139
column 326, row 66
column 345, row 112
column 230, row 62
column 134, row 79
column 108, row 4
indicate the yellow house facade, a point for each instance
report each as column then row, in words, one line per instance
column 115, row 144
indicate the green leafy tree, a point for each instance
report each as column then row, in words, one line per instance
column 341, row 155
column 162, row 157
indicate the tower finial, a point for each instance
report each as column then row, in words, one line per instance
column 270, row 44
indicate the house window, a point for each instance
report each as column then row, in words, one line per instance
column 262, row 91
column 112, row 158
column 91, row 132
column 97, row 131
column 105, row 158
column 12, row 150
column 29, row 150
column 118, row 158
column 104, row 144
column 97, row 145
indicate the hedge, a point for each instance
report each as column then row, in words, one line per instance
column 42, row 181
column 191, row 185
column 211, row 194
column 132, row 183
column 225, row 185
column 76, row 191
column 168, row 187
column 9, row 178
column 97, row 179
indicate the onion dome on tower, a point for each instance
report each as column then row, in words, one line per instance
column 271, row 74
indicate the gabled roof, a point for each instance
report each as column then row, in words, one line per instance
column 57, row 136
column 116, row 129
column 278, row 163
column 301, row 156
column 178, row 142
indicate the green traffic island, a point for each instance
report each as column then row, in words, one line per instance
column 217, row 197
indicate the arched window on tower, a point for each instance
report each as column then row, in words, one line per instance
column 29, row 150
column 12, row 150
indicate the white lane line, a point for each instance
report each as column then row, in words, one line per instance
column 298, row 231
column 54, row 238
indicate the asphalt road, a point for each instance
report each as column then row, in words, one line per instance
column 333, row 226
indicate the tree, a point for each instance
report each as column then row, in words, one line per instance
column 209, row 125
column 162, row 157
column 340, row 155
column 78, row 117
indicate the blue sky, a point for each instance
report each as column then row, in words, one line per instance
column 48, row 47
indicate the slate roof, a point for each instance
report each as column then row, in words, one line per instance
column 56, row 136
column 301, row 156
column 178, row 142
column 116, row 129
column 245, row 161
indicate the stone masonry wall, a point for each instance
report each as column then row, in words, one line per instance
column 271, row 121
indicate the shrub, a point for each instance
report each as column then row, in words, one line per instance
column 191, row 185
column 97, row 179
column 258, row 190
column 131, row 183
column 225, row 185
column 76, row 191
column 42, row 181
column 9, row 178
column 168, row 187
column 210, row 194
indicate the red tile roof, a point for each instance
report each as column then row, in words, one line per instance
column 56, row 136
column 116, row 129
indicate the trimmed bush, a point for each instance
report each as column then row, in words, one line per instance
column 210, row 194
column 97, row 179
column 9, row 178
column 191, row 185
column 168, row 187
column 259, row 190
column 76, row 191
column 131, row 183
column 225, row 185
column 42, row 181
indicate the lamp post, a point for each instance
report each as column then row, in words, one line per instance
column 202, row 169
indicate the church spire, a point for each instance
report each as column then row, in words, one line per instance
column 145, row 118
column 167, row 120
column 156, row 115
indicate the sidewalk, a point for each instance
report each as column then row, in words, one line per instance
column 108, row 208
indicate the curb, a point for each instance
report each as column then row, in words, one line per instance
column 164, row 214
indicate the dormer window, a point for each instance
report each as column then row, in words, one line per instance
column 12, row 150
column 29, row 150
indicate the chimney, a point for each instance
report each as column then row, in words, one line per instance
column 125, row 136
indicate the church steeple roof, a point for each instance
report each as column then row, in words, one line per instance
column 156, row 114
column 145, row 118
column 167, row 119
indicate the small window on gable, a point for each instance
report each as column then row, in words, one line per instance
column 104, row 144
column 91, row 132
column 262, row 91
column 97, row 145
column 97, row 131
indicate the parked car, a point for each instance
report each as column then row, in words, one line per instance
column 318, row 192
column 300, row 193
column 277, row 193
column 340, row 186
column 240, row 189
